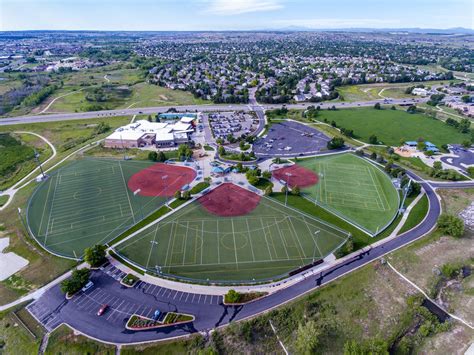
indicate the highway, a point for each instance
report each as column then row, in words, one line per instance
column 252, row 106
column 52, row 309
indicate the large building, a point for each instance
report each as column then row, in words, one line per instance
column 142, row 133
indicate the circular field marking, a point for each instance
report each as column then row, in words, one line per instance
column 227, row 241
column 87, row 193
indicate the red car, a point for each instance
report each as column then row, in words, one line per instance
column 102, row 309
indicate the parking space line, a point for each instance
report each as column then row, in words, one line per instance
column 192, row 301
column 176, row 294
column 113, row 310
column 199, row 298
column 205, row 297
column 187, row 295
column 182, row 294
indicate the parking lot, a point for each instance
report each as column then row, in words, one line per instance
column 291, row 139
column 234, row 123
column 143, row 299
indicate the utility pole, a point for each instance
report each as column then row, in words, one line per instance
column 39, row 163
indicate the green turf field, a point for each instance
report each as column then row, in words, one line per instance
column 269, row 241
column 390, row 126
column 354, row 188
column 87, row 202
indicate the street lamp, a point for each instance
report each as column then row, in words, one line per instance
column 39, row 163
column 315, row 245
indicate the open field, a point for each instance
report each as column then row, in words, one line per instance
column 391, row 126
column 87, row 202
column 196, row 243
column 354, row 188
column 368, row 92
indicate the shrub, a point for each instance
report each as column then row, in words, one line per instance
column 451, row 225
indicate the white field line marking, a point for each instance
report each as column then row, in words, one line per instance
column 125, row 185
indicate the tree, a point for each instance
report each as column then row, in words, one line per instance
column 411, row 109
column 307, row 337
column 95, row 256
column 161, row 157
column 153, row 156
column 393, row 108
column 77, row 281
column 268, row 190
column 437, row 165
column 451, row 225
column 177, row 194
column 296, row 191
column 221, row 150
column 335, row 143
column 466, row 144
column 369, row 347
column 184, row 152
column 377, row 106
column 267, row 175
column 186, row 195
column 415, row 189
column 466, row 98
column 149, row 118
column 373, row 156
column 373, row 139
column 470, row 171
column 232, row 296
column 284, row 189
column 420, row 146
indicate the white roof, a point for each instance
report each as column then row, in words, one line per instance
column 163, row 131
column 126, row 135
column 187, row 119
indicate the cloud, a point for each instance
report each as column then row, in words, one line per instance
column 337, row 22
column 236, row 7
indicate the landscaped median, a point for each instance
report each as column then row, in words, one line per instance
column 137, row 322
column 234, row 298
column 129, row 280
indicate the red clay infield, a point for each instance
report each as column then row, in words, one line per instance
column 229, row 200
column 161, row 179
column 300, row 176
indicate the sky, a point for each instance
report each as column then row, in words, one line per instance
column 195, row 15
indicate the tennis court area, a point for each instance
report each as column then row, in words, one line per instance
column 88, row 202
column 355, row 188
column 268, row 241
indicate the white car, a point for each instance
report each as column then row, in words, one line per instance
column 87, row 286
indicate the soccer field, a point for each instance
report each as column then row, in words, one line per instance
column 87, row 202
column 269, row 241
column 353, row 187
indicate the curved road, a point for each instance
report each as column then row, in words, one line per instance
column 52, row 309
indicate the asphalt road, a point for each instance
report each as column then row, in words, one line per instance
column 191, row 108
column 80, row 312
column 463, row 159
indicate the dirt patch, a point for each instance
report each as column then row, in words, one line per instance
column 296, row 175
column 229, row 200
column 161, row 180
column 163, row 97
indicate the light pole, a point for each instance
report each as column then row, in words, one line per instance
column 315, row 245
column 135, row 193
column 39, row 163
column 287, row 187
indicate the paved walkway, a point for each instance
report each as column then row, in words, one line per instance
column 406, row 214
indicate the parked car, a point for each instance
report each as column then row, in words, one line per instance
column 87, row 286
column 102, row 309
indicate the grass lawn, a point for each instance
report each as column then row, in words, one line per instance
column 87, row 202
column 391, row 126
column 269, row 241
column 63, row 341
column 43, row 266
column 353, row 187
column 15, row 338
column 416, row 215
column 291, row 114
column 3, row 200
column 19, row 159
